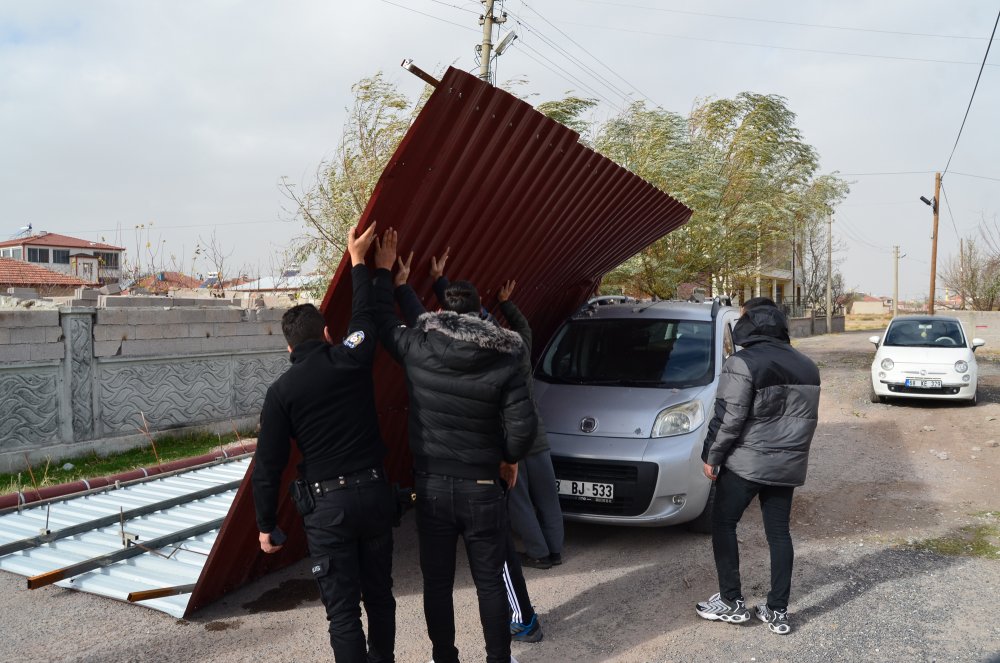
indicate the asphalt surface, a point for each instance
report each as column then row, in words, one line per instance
column 861, row 591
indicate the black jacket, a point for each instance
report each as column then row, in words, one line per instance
column 766, row 405
column 469, row 404
column 325, row 401
column 412, row 308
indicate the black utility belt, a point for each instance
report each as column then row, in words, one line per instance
column 320, row 488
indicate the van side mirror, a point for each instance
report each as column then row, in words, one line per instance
column 977, row 343
column 874, row 340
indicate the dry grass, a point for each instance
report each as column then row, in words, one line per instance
column 865, row 322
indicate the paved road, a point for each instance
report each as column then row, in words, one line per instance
column 860, row 591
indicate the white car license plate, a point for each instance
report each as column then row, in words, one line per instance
column 922, row 383
column 586, row 490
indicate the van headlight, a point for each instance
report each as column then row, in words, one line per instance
column 961, row 366
column 887, row 364
column 679, row 419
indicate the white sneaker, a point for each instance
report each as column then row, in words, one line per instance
column 512, row 659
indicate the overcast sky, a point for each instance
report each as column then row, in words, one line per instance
column 187, row 114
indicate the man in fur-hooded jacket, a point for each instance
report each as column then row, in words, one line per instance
column 470, row 411
column 757, row 444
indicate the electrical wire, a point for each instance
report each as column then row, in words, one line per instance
column 448, row 4
column 591, row 55
column 898, row 172
column 780, row 48
column 978, row 177
column 974, row 88
column 851, row 233
column 948, row 207
column 570, row 77
column 779, row 22
column 436, row 18
column 571, row 58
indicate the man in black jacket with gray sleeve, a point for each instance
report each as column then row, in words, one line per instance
column 766, row 408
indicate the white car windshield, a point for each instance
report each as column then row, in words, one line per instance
column 925, row 333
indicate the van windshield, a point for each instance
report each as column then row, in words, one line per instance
column 929, row 332
column 652, row 353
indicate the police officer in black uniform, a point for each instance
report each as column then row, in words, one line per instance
column 325, row 401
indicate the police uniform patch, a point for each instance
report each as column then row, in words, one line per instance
column 355, row 339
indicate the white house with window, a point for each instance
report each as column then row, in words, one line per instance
column 92, row 262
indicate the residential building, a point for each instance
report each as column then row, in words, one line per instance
column 91, row 262
column 47, row 283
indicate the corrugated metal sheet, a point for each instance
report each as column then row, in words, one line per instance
column 173, row 565
column 516, row 196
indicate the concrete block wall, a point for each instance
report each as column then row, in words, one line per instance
column 84, row 378
column 27, row 335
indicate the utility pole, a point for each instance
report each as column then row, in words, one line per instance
column 934, row 242
column 895, row 279
column 487, row 46
column 829, row 273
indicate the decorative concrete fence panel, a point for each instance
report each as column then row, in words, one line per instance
column 81, row 379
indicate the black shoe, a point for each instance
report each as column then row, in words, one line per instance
column 535, row 563
column 776, row 620
column 719, row 609
column 555, row 558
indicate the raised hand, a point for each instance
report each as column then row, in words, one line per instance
column 437, row 264
column 385, row 250
column 403, row 273
column 357, row 245
column 508, row 287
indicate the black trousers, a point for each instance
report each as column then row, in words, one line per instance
column 447, row 508
column 733, row 495
column 350, row 541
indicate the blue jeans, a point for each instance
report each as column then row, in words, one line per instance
column 449, row 507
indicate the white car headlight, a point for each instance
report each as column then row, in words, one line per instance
column 961, row 366
column 887, row 364
column 679, row 419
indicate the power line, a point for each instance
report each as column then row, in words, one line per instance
column 898, row 172
column 570, row 57
column 855, row 236
column 568, row 76
column 948, row 206
column 436, row 18
column 978, row 177
column 448, row 4
column 590, row 55
column 793, row 23
column 974, row 88
column 780, row 48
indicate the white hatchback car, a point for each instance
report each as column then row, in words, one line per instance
column 923, row 356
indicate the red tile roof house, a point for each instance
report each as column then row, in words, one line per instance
column 91, row 262
column 19, row 274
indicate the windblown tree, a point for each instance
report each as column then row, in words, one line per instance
column 376, row 123
column 974, row 274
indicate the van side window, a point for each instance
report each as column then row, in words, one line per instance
column 728, row 347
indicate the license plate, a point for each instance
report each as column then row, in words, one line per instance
column 586, row 490
column 921, row 383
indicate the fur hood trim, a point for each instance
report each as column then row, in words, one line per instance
column 471, row 329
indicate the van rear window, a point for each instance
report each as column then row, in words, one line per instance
column 654, row 353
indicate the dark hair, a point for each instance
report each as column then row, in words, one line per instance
column 302, row 323
column 754, row 302
column 462, row 297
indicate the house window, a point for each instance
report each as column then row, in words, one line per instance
column 16, row 253
column 60, row 256
column 4, row 253
column 38, row 255
column 108, row 260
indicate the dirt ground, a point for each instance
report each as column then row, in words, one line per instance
column 890, row 488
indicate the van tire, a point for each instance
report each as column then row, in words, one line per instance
column 703, row 523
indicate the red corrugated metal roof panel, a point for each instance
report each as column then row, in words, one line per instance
column 516, row 196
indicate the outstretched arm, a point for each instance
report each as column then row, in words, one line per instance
column 437, row 273
column 515, row 318
column 362, row 325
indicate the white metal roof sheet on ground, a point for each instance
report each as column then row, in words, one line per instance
column 173, row 565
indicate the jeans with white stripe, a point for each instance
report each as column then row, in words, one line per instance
column 517, row 589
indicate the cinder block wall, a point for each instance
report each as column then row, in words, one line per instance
column 83, row 378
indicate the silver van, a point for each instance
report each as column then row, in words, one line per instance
column 626, row 392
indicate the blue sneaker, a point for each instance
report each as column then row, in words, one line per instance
column 530, row 632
